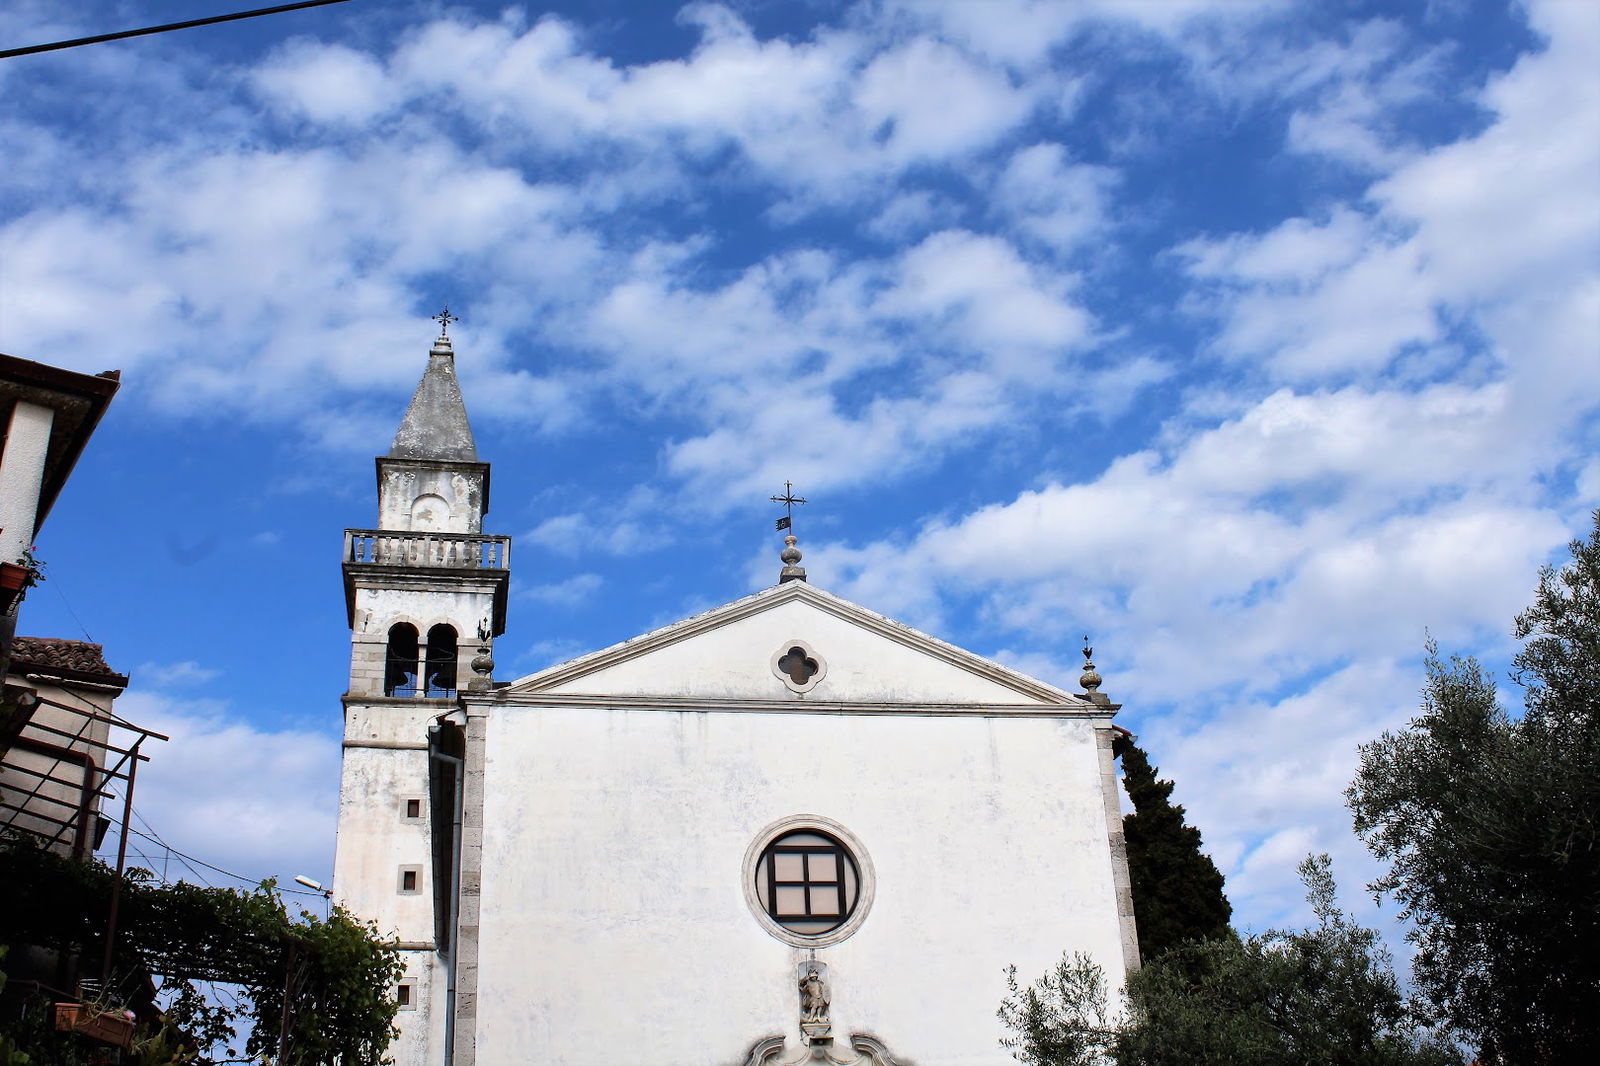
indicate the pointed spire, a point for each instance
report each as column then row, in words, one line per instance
column 435, row 426
column 792, row 570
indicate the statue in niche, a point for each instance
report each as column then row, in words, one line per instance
column 813, row 997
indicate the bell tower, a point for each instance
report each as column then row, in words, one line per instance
column 424, row 591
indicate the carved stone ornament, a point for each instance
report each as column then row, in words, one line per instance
column 817, row 1047
column 814, row 1003
column 864, row 1051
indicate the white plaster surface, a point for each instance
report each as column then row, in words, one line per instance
column 375, row 840
column 735, row 660
column 410, row 1048
column 377, row 609
column 21, row 475
column 416, row 495
column 614, row 927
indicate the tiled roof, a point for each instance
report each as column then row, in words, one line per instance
column 71, row 659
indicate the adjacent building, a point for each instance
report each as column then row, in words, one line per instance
column 55, row 695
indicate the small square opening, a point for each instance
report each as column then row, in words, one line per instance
column 409, row 883
column 405, row 995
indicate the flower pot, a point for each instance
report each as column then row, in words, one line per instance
column 108, row 1027
column 14, row 578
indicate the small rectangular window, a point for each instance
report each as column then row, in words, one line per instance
column 405, row 996
column 413, row 808
column 409, row 883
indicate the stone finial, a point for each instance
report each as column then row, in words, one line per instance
column 483, row 662
column 792, row 570
column 1090, row 678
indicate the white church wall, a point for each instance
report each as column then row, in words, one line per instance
column 613, row 898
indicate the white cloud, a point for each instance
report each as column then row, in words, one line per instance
column 575, row 533
column 327, row 83
column 1379, row 504
column 913, row 214
column 1309, row 316
column 255, row 802
column 1022, row 33
column 1060, row 204
column 927, row 101
column 169, row 675
column 570, row 592
column 988, row 299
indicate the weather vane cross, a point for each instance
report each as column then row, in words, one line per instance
column 444, row 318
column 788, row 499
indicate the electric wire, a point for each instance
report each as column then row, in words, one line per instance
column 55, row 583
column 146, row 31
column 187, row 859
column 191, row 861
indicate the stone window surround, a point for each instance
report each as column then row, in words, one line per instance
column 816, row 823
column 810, row 653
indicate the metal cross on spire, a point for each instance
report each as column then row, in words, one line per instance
column 444, row 318
column 788, row 499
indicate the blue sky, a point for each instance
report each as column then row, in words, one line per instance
column 1254, row 339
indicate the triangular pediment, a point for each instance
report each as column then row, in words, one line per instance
column 730, row 652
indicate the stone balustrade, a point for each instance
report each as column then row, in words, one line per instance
column 466, row 551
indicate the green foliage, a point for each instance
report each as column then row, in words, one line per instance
column 1062, row 1019
column 1326, row 996
column 1177, row 889
column 340, row 973
column 1489, row 827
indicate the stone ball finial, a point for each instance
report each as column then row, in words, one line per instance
column 1090, row 678
column 792, row 570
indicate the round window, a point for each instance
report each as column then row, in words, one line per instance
column 808, row 881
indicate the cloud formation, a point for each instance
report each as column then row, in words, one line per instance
column 1252, row 338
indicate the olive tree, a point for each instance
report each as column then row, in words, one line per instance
column 1488, row 822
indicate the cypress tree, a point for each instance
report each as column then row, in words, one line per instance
column 1177, row 889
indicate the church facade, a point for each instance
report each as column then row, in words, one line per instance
column 785, row 830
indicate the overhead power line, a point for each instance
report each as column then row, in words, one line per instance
column 187, row 859
column 125, row 34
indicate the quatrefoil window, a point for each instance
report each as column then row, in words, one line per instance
column 798, row 666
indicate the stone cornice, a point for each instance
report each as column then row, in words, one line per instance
column 494, row 702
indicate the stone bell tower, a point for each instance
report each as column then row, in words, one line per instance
column 425, row 592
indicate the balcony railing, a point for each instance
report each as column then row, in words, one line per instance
column 467, row 551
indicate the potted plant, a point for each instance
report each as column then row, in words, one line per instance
column 16, row 578
column 107, row 1025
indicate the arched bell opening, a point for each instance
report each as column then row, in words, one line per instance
column 400, row 661
column 440, row 668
